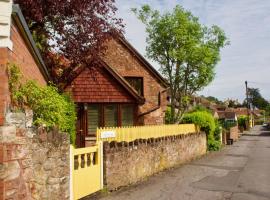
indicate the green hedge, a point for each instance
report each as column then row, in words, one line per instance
column 207, row 124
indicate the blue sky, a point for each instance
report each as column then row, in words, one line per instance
column 247, row 25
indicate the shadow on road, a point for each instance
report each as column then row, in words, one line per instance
column 264, row 131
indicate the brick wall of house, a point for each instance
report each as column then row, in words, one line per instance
column 20, row 55
column 4, row 94
column 126, row 64
column 97, row 85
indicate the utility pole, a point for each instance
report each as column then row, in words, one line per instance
column 246, row 83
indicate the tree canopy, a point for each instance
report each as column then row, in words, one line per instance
column 186, row 51
column 213, row 99
column 70, row 33
column 256, row 99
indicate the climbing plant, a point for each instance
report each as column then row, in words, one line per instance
column 50, row 107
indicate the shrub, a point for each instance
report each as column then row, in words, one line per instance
column 207, row 124
column 200, row 108
column 50, row 108
column 217, row 131
column 243, row 121
column 228, row 124
column 168, row 115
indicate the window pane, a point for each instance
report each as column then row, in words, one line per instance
column 136, row 83
column 110, row 118
column 93, row 119
column 127, row 114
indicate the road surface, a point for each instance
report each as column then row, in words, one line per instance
column 238, row 172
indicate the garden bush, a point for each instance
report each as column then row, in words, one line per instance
column 207, row 123
column 218, row 130
column 243, row 121
column 168, row 115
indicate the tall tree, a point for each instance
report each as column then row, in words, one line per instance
column 256, row 99
column 70, row 33
column 186, row 51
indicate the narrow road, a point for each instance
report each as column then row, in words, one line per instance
column 238, row 172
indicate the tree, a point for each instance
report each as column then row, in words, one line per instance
column 70, row 33
column 232, row 103
column 214, row 100
column 256, row 99
column 186, row 51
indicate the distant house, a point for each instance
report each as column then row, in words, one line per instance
column 227, row 116
column 17, row 46
column 241, row 111
column 121, row 89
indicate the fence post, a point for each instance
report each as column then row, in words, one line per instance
column 101, row 163
column 71, row 161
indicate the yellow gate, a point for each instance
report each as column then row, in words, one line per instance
column 87, row 171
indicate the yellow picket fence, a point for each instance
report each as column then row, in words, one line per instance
column 86, row 171
column 129, row 134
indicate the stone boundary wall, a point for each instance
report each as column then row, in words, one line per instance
column 128, row 163
column 234, row 133
column 34, row 164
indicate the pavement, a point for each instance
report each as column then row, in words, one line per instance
column 239, row 172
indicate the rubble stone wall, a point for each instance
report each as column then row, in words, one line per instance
column 34, row 164
column 128, row 163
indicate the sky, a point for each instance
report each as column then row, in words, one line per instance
column 246, row 24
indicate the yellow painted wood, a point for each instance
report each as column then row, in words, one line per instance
column 129, row 134
column 86, row 180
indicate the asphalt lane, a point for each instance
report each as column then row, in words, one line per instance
column 238, row 172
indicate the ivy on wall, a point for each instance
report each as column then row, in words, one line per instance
column 51, row 108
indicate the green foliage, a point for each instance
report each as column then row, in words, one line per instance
column 201, row 118
column 200, row 108
column 186, row 50
column 242, row 121
column 256, row 99
column 168, row 115
column 50, row 108
column 14, row 80
column 213, row 99
column 207, row 124
column 217, row 130
column 232, row 103
column 227, row 124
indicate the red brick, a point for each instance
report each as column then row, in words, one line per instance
column 23, row 57
column 121, row 59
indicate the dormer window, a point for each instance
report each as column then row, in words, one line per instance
column 136, row 83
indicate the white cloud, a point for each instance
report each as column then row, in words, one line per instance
column 246, row 23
